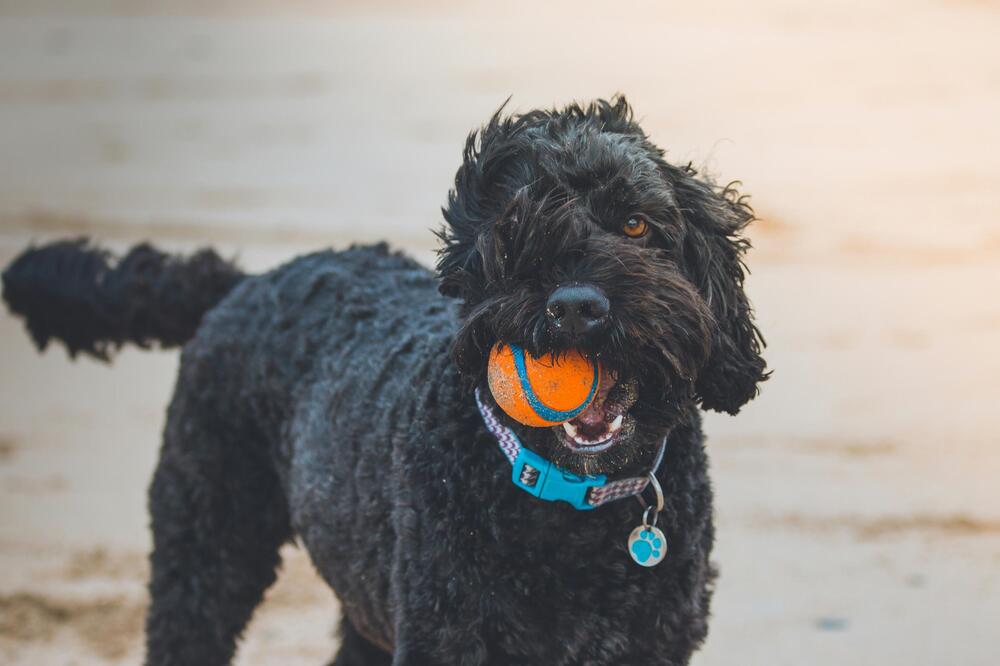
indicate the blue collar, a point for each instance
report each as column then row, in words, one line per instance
column 547, row 481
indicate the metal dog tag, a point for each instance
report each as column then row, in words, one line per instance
column 647, row 545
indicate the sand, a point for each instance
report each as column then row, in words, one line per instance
column 858, row 496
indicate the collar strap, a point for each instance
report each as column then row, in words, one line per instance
column 545, row 480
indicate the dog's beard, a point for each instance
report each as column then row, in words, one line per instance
column 629, row 449
column 650, row 388
column 628, row 454
column 645, row 390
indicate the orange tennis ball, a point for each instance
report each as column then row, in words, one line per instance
column 541, row 392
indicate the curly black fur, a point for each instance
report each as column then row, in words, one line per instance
column 75, row 292
column 330, row 401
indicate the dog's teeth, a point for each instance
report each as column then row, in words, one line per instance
column 617, row 423
column 574, row 434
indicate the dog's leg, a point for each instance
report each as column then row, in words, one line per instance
column 218, row 519
column 356, row 650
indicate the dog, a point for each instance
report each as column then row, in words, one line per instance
column 341, row 401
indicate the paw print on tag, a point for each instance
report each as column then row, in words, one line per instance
column 647, row 545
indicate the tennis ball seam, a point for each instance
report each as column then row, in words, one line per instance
column 542, row 410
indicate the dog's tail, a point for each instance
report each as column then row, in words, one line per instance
column 78, row 293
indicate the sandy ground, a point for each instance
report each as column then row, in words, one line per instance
column 858, row 497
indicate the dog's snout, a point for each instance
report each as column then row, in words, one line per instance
column 577, row 310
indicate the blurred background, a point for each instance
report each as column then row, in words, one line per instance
column 858, row 496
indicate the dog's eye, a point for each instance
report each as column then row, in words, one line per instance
column 635, row 227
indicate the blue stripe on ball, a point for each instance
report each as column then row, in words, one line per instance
column 541, row 408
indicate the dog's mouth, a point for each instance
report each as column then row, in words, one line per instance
column 604, row 422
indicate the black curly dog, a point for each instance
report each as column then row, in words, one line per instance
column 332, row 401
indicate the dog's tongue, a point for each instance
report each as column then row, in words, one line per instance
column 594, row 415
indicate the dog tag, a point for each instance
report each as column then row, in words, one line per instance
column 647, row 545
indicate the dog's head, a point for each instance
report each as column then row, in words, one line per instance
column 568, row 229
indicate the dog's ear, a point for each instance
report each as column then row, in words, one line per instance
column 459, row 264
column 483, row 183
column 713, row 256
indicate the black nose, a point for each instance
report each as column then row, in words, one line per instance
column 577, row 310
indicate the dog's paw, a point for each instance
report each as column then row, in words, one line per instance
column 647, row 547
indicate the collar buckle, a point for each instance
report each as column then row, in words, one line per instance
column 538, row 476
